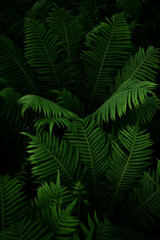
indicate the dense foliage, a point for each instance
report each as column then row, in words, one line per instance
column 79, row 123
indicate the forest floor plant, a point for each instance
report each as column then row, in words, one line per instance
column 83, row 101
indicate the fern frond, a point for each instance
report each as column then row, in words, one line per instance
column 69, row 31
column 91, row 144
column 108, row 49
column 44, row 106
column 85, row 16
column 13, row 202
column 39, row 8
column 60, row 221
column 42, row 51
column 143, row 66
column 41, row 122
column 25, row 229
column 143, row 205
column 145, row 114
column 69, row 101
column 11, row 110
column 131, row 155
column 14, row 68
column 130, row 93
column 105, row 230
column 49, row 154
column 51, row 194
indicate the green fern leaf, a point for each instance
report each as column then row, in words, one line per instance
column 49, row 154
column 69, row 31
column 13, row 203
column 42, row 51
column 108, row 49
column 130, row 157
column 51, row 194
column 14, row 68
column 130, row 93
column 91, row 144
column 143, row 205
column 60, row 221
column 25, row 230
column 143, row 66
column 45, row 106
column 39, row 9
column 69, row 101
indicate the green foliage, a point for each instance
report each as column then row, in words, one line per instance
column 25, row 230
column 90, row 150
column 130, row 157
column 108, row 48
column 19, row 75
column 13, row 202
column 143, row 202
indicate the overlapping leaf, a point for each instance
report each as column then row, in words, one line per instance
column 130, row 93
column 13, row 202
column 26, row 229
column 91, row 144
column 43, row 49
column 108, row 49
column 49, row 155
column 14, row 68
column 143, row 205
column 130, row 157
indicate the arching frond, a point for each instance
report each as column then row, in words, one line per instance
column 69, row 31
column 143, row 205
column 14, row 68
column 25, row 229
column 130, row 93
column 39, row 8
column 131, row 155
column 13, row 202
column 49, row 154
column 48, row 108
column 85, row 16
column 41, row 122
column 106, row 230
column 60, row 221
column 145, row 114
column 91, row 144
column 51, row 194
column 69, row 101
column 11, row 110
column 108, row 49
column 42, row 51
column 143, row 66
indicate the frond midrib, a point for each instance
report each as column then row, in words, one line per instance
column 59, row 84
column 64, row 169
column 30, row 81
column 125, row 169
column 101, row 66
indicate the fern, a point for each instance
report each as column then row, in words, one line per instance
column 51, row 194
column 26, row 229
column 92, row 147
column 143, row 202
column 45, row 106
column 19, row 76
column 69, row 32
column 56, row 156
column 60, row 221
column 13, row 202
column 42, row 50
column 130, row 157
column 108, row 49
column 129, row 94
column 69, row 101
